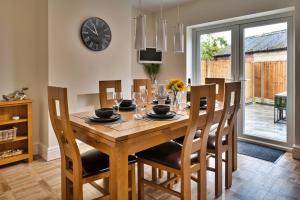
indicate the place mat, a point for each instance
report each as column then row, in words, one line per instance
column 259, row 151
column 131, row 124
column 177, row 116
column 86, row 117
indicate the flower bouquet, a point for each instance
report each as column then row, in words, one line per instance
column 176, row 85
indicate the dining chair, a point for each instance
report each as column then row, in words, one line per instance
column 138, row 84
column 78, row 169
column 183, row 160
column 220, row 141
column 104, row 87
column 220, row 86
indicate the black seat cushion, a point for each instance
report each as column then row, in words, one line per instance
column 211, row 142
column 168, row 154
column 181, row 139
column 95, row 162
column 197, row 135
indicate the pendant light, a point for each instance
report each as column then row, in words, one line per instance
column 140, row 30
column 179, row 35
column 161, row 32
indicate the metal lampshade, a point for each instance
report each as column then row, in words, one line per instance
column 161, row 35
column 140, row 32
column 179, row 39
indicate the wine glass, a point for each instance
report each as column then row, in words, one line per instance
column 182, row 101
column 161, row 93
column 118, row 98
column 144, row 96
column 139, row 101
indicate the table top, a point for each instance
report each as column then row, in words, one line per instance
column 129, row 127
column 282, row 94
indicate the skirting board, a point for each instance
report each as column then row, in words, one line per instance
column 46, row 153
column 296, row 152
column 50, row 153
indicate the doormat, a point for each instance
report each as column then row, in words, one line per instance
column 259, row 151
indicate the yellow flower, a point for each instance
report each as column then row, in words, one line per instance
column 179, row 86
column 176, row 85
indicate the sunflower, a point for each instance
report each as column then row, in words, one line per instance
column 176, row 85
column 179, row 86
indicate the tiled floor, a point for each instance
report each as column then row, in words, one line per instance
column 254, row 179
column 259, row 121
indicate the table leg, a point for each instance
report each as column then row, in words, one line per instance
column 118, row 164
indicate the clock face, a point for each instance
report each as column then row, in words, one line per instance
column 95, row 34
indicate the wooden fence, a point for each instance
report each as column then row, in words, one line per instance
column 263, row 79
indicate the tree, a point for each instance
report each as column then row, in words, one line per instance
column 212, row 45
column 209, row 48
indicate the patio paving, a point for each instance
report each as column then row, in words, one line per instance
column 260, row 122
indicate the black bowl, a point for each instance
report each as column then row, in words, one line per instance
column 161, row 109
column 126, row 103
column 104, row 112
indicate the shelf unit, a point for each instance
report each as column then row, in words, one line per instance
column 23, row 141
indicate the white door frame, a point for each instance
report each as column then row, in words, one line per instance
column 290, row 82
column 235, row 24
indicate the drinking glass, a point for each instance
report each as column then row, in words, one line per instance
column 182, row 104
column 144, row 96
column 139, row 101
column 161, row 93
column 118, row 98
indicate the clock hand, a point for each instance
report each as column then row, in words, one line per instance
column 95, row 29
column 92, row 30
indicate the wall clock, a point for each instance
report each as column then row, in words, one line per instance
column 95, row 34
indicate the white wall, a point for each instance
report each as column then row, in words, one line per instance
column 74, row 66
column 20, row 59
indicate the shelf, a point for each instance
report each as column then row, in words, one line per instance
column 18, row 138
column 14, row 103
column 16, row 158
column 6, row 122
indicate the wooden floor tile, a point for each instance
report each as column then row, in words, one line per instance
column 255, row 179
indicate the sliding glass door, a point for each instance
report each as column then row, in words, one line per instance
column 259, row 53
column 264, row 71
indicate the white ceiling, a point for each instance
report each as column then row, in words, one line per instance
column 154, row 5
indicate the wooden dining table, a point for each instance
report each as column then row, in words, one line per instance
column 126, row 137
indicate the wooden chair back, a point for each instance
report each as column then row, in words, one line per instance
column 59, row 115
column 220, row 87
column 198, row 123
column 146, row 83
column 103, row 87
column 231, row 107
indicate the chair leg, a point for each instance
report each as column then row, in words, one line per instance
column 202, row 184
column 154, row 174
column 64, row 187
column 140, row 180
column 170, row 175
column 106, row 185
column 186, row 186
column 160, row 173
column 77, row 190
column 133, row 182
column 218, row 174
column 228, row 169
